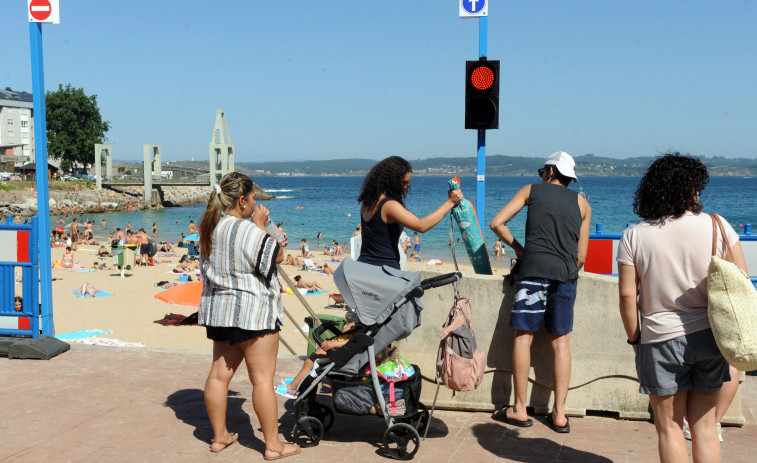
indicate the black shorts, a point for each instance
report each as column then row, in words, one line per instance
column 144, row 248
column 236, row 335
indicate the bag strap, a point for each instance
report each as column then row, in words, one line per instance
column 715, row 224
column 469, row 316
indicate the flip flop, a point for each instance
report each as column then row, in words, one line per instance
column 281, row 389
column 560, row 429
column 281, row 453
column 502, row 416
column 233, row 437
column 287, row 380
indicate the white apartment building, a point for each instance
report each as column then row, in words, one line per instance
column 16, row 129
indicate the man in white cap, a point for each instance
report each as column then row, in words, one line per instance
column 557, row 238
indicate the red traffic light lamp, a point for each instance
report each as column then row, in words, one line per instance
column 482, row 94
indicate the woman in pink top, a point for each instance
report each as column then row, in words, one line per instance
column 662, row 264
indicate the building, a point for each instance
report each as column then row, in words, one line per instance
column 16, row 129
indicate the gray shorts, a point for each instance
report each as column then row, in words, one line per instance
column 691, row 361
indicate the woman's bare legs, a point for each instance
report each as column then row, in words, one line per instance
column 668, row 420
column 260, row 358
column 726, row 394
column 226, row 359
column 700, row 412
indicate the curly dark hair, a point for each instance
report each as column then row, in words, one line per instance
column 385, row 177
column 670, row 187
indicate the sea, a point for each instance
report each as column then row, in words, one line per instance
column 307, row 206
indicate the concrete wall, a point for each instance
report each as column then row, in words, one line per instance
column 603, row 371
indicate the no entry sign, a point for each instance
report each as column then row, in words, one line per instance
column 44, row 11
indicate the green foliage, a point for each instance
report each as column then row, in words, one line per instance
column 6, row 186
column 74, row 126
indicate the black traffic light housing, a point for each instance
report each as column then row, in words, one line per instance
column 482, row 94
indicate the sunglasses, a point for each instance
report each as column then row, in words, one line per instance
column 541, row 172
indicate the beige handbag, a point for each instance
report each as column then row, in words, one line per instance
column 732, row 300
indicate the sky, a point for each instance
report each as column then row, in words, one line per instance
column 305, row 80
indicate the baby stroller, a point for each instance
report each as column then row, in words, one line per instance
column 388, row 307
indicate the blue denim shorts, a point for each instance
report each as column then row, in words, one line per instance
column 540, row 300
column 691, row 361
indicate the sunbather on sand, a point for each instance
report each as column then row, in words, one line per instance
column 187, row 267
column 88, row 288
column 68, row 258
column 327, row 270
column 165, row 247
column 103, row 252
column 101, row 266
column 311, row 286
column 290, row 260
column 165, row 284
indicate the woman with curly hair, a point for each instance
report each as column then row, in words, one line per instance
column 662, row 264
column 383, row 215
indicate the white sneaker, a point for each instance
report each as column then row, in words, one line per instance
column 687, row 431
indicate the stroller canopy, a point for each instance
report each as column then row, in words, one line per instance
column 373, row 291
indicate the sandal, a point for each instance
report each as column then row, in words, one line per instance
column 281, row 453
column 233, row 437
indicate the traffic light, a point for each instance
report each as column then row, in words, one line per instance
column 482, row 94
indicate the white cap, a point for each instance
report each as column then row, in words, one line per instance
column 564, row 164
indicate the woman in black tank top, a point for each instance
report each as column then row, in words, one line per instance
column 383, row 215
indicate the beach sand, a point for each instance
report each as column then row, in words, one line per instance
column 131, row 313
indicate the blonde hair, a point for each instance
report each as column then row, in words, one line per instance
column 233, row 186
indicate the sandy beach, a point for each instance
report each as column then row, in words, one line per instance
column 131, row 313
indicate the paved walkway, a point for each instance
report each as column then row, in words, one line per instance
column 102, row 404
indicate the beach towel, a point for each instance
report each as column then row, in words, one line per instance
column 81, row 334
column 98, row 341
column 82, row 270
column 305, row 292
column 77, row 293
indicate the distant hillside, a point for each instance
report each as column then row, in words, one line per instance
column 496, row 165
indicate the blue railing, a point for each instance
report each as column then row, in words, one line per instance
column 20, row 249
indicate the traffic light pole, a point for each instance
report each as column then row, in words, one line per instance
column 483, row 26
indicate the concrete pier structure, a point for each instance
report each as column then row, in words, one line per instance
column 221, row 149
column 151, row 169
column 103, row 151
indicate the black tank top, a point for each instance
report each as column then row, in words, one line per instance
column 380, row 240
column 553, row 227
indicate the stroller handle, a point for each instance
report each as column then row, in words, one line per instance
column 435, row 282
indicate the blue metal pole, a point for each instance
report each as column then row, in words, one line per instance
column 483, row 26
column 43, row 194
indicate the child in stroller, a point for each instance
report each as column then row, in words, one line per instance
column 388, row 308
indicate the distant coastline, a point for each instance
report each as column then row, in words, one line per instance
column 496, row 166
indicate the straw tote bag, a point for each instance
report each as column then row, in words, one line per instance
column 732, row 301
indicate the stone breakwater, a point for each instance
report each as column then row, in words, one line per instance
column 85, row 200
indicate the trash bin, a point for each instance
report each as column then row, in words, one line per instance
column 309, row 320
column 124, row 255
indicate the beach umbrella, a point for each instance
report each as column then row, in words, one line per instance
column 183, row 294
column 193, row 237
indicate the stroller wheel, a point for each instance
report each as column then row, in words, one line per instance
column 307, row 432
column 401, row 441
column 324, row 414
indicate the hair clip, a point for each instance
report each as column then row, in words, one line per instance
column 218, row 188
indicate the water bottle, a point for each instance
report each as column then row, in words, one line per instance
column 274, row 231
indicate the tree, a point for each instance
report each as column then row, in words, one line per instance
column 74, row 126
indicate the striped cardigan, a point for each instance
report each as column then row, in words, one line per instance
column 240, row 284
